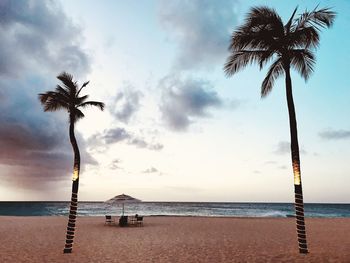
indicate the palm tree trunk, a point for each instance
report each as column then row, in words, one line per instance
column 299, row 204
column 74, row 199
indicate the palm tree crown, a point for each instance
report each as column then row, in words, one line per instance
column 67, row 97
column 263, row 36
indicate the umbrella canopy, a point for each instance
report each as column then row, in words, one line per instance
column 122, row 199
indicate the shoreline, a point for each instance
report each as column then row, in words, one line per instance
column 182, row 216
column 173, row 239
column 188, row 202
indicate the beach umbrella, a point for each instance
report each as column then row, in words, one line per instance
column 122, row 199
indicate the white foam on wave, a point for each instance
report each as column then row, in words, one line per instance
column 273, row 214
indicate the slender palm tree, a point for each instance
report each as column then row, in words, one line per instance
column 67, row 97
column 263, row 37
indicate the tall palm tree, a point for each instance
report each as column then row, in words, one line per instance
column 263, row 37
column 67, row 97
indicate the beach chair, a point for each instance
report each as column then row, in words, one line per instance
column 133, row 220
column 109, row 220
column 139, row 221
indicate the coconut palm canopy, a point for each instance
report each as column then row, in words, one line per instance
column 122, row 199
column 263, row 37
column 68, row 97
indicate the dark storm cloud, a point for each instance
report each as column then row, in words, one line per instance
column 33, row 143
column 116, row 135
column 283, row 147
column 201, row 28
column 37, row 152
column 185, row 100
column 38, row 34
column 125, row 104
column 335, row 134
column 38, row 41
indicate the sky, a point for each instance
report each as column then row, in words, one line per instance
column 175, row 128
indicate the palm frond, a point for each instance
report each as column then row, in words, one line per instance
column 321, row 18
column 242, row 58
column 51, row 95
column 43, row 97
column 260, row 30
column 265, row 57
column 84, row 85
column 303, row 60
column 275, row 70
column 63, row 91
column 80, row 100
column 67, row 80
column 53, row 101
column 98, row 104
column 287, row 27
column 263, row 17
column 304, row 37
column 52, row 105
column 262, row 39
column 77, row 115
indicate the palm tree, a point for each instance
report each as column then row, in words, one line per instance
column 264, row 37
column 67, row 97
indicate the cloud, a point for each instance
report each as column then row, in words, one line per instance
column 185, row 100
column 233, row 104
column 38, row 34
column 35, row 145
column 115, row 135
column 125, row 104
column 115, row 164
column 156, row 146
column 283, row 147
column 38, row 41
column 150, row 170
column 141, row 143
column 335, row 134
column 201, row 29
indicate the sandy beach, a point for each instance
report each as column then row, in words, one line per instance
column 173, row 239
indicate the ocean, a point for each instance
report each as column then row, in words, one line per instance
column 173, row 209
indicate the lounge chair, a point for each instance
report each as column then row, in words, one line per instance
column 109, row 220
